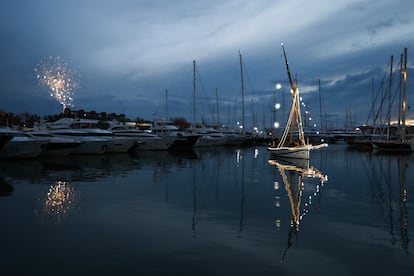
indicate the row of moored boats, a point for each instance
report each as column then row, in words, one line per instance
column 66, row 137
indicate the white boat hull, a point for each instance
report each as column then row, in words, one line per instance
column 120, row 144
column 300, row 152
column 291, row 152
column 22, row 148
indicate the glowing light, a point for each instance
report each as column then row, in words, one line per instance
column 57, row 75
column 277, row 106
column 278, row 86
column 256, row 153
column 276, row 124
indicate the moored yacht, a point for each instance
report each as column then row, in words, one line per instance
column 145, row 140
column 183, row 141
column 90, row 144
column 233, row 138
column 21, row 145
column 209, row 137
column 57, row 146
column 88, row 132
column 118, row 144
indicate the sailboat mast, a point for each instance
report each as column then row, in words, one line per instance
column 320, row 102
column 292, row 87
column 217, row 108
column 166, row 104
column 404, row 103
column 242, row 88
column 287, row 68
column 373, row 104
column 400, row 93
column 194, row 93
column 389, row 100
column 295, row 112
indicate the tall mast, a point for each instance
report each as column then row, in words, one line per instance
column 293, row 89
column 373, row 104
column 295, row 111
column 242, row 88
column 400, row 94
column 194, row 93
column 404, row 103
column 217, row 108
column 166, row 104
column 389, row 100
column 320, row 102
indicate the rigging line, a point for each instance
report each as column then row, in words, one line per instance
column 396, row 72
column 376, row 97
column 393, row 98
column 205, row 95
column 384, row 96
column 248, row 79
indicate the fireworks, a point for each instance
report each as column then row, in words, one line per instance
column 57, row 75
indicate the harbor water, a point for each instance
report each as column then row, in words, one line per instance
column 221, row 211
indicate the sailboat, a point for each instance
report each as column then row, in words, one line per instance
column 400, row 143
column 291, row 148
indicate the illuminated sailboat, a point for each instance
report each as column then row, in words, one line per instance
column 291, row 148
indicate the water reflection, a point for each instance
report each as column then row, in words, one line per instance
column 387, row 174
column 293, row 173
column 68, row 168
column 60, row 199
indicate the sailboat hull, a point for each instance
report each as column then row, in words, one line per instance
column 301, row 152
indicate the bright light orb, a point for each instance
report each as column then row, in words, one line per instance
column 276, row 125
column 278, row 86
column 277, row 106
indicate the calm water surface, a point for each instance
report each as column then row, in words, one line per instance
column 208, row 212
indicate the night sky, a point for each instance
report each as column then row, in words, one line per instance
column 127, row 53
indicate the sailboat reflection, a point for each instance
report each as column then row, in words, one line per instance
column 291, row 170
column 59, row 199
column 387, row 174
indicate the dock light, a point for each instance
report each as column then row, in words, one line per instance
column 276, row 124
column 278, row 86
column 277, row 106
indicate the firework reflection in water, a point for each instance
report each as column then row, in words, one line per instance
column 56, row 74
column 59, row 199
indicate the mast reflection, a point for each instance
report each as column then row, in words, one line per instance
column 388, row 179
column 291, row 170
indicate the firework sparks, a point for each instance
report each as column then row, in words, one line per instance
column 57, row 75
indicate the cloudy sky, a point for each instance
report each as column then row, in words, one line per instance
column 127, row 53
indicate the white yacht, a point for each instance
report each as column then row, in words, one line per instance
column 233, row 138
column 21, row 145
column 87, row 130
column 145, row 140
column 183, row 141
column 115, row 143
column 57, row 146
column 90, row 144
column 209, row 137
